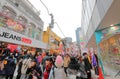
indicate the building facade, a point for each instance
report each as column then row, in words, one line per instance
column 20, row 23
column 78, row 36
column 100, row 26
column 67, row 44
column 52, row 40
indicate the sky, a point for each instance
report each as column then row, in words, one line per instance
column 67, row 13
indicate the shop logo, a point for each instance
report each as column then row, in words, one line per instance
column 15, row 37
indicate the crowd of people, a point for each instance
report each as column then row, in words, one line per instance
column 25, row 65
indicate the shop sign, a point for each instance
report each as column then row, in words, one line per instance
column 106, row 33
column 15, row 37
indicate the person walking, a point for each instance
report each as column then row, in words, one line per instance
column 73, row 68
column 82, row 68
column 66, row 62
column 47, row 68
column 10, row 67
column 34, row 71
column 95, row 64
column 57, row 71
column 88, row 66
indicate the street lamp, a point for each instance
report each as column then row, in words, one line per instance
column 51, row 25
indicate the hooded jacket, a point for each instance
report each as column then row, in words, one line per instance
column 58, row 71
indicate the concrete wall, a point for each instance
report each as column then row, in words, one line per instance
column 100, row 9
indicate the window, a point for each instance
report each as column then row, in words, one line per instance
column 9, row 12
column 38, row 34
column 22, row 20
column 31, row 30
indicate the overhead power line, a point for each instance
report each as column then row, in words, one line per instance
column 45, row 7
column 52, row 20
column 59, row 28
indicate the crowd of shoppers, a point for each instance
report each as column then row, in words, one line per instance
column 25, row 65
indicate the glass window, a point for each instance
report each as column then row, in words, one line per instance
column 9, row 12
column 31, row 30
column 22, row 20
column 38, row 34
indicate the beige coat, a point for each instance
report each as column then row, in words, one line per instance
column 66, row 61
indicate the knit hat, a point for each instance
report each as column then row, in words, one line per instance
column 59, row 61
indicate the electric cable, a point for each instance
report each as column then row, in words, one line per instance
column 45, row 7
column 50, row 15
column 59, row 28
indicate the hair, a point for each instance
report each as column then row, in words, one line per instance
column 59, row 61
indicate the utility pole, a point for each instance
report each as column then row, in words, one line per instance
column 51, row 25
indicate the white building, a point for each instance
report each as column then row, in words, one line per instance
column 20, row 23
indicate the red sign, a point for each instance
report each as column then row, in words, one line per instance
column 26, row 40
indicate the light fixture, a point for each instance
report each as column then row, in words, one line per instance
column 113, row 28
column 112, row 25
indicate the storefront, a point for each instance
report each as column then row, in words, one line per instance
column 110, row 52
column 19, row 39
column 108, row 40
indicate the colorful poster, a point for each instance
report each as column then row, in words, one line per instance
column 106, row 33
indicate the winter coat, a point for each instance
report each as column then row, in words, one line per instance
column 82, row 70
column 66, row 61
column 25, row 65
column 73, row 69
column 58, row 73
column 94, row 60
column 88, row 66
column 73, row 74
column 34, row 71
column 47, row 71
column 10, row 67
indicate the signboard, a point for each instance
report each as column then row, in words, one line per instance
column 106, row 33
column 7, row 35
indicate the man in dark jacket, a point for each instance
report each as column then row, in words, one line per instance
column 10, row 67
column 88, row 66
column 34, row 71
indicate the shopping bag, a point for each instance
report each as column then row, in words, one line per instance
column 100, row 74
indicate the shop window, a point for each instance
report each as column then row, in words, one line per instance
column 22, row 20
column 31, row 30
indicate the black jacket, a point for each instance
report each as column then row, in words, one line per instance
column 88, row 66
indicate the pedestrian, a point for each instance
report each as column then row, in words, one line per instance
column 82, row 68
column 10, row 67
column 19, row 66
column 48, row 64
column 44, row 59
column 66, row 62
column 95, row 64
column 73, row 68
column 88, row 66
column 57, row 71
column 34, row 71
column 25, row 64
